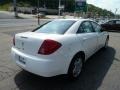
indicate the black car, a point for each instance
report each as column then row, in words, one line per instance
column 111, row 25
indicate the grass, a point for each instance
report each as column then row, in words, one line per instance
column 5, row 7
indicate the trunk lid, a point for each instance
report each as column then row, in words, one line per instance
column 30, row 42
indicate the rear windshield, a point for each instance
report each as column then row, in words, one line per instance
column 55, row 27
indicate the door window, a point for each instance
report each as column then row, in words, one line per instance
column 85, row 27
column 118, row 22
column 80, row 30
column 111, row 22
column 96, row 27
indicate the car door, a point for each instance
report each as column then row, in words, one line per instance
column 101, row 36
column 89, row 38
column 112, row 25
column 118, row 25
column 106, row 26
column 109, row 25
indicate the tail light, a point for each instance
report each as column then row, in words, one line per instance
column 49, row 47
column 14, row 40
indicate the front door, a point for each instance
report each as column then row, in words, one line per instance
column 89, row 38
column 118, row 25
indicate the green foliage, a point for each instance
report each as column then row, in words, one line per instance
column 69, row 5
column 99, row 11
column 5, row 7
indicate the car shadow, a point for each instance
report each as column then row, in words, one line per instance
column 93, row 73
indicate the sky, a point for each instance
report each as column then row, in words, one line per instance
column 110, row 5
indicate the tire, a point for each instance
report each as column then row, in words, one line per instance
column 75, row 67
column 106, row 43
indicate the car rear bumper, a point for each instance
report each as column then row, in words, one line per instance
column 37, row 65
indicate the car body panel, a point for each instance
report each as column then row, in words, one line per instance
column 27, row 45
column 111, row 25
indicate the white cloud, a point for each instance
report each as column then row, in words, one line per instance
column 107, row 4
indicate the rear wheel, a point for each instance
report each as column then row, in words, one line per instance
column 106, row 43
column 75, row 67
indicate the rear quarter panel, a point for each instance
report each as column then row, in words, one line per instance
column 70, row 46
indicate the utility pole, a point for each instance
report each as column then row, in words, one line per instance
column 74, row 10
column 44, row 5
column 38, row 12
column 15, row 8
column 116, row 12
column 59, row 7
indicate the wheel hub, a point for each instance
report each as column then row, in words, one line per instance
column 77, row 67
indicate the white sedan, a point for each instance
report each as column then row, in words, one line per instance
column 58, row 47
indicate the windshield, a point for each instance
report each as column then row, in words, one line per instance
column 56, row 27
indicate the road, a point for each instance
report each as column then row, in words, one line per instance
column 101, row 71
column 4, row 15
column 17, row 22
column 20, row 22
column 12, row 26
column 7, row 20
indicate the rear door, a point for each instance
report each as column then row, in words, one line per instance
column 111, row 25
column 86, row 33
column 100, row 35
column 118, row 25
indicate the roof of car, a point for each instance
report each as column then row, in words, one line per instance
column 110, row 20
column 76, row 19
column 114, row 19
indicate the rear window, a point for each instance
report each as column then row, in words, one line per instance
column 55, row 27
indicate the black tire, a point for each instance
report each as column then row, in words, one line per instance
column 106, row 43
column 74, row 72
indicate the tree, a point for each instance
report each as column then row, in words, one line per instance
column 69, row 5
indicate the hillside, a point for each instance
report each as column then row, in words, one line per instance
column 69, row 4
column 99, row 11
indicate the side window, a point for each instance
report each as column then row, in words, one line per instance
column 118, row 22
column 96, row 27
column 87, row 27
column 80, row 30
column 111, row 22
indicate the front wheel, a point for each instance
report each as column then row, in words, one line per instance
column 75, row 67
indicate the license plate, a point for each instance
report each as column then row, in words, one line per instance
column 21, row 59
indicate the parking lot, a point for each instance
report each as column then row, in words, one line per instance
column 101, row 71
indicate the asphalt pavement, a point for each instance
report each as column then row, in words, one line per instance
column 7, row 19
column 21, row 22
column 4, row 15
column 12, row 26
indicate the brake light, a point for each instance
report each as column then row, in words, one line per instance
column 49, row 47
column 14, row 40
